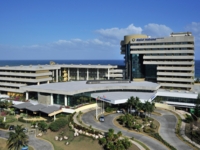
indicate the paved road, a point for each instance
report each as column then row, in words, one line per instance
column 167, row 129
column 38, row 144
column 89, row 119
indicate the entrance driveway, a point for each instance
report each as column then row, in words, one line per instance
column 167, row 129
column 89, row 119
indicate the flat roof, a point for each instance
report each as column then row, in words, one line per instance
column 177, row 93
column 56, row 66
column 76, row 87
column 122, row 97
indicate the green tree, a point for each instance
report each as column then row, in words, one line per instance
column 130, row 102
column 42, row 126
column 197, row 107
column 149, row 107
column 102, row 141
column 126, row 143
column 17, row 139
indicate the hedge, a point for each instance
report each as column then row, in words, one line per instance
column 59, row 123
column 4, row 126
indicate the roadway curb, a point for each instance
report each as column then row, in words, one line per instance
column 135, row 143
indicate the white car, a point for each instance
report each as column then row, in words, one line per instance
column 101, row 119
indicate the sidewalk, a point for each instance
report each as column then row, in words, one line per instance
column 182, row 130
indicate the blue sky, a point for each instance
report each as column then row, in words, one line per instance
column 87, row 29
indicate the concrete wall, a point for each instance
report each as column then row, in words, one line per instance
column 42, row 77
column 165, row 106
column 41, row 71
column 44, row 99
column 91, row 106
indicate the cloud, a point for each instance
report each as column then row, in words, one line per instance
column 194, row 27
column 156, row 30
column 105, row 46
column 118, row 33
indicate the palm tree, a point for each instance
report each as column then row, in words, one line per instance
column 130, row 102
column 149, row 107
column 17, row 139
column 137, row 101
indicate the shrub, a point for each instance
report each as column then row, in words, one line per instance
column 60, row 115
column 188, row 118
column 4, row 126
column 153, row 126
column 24, row 121
column 137, row 126
column 109, row 109
column 148, row 130
column 59, row 123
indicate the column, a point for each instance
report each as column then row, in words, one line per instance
column 97, row 73
column 77, row 73
column 26, row 95
column 38, row 83
column 53, row 75
column 48, row 82
column 108, row 74
column 51, row 99
column 56, row 75
column 87, row 74
column 65, row 100
column 60, row 72
column 68, row 74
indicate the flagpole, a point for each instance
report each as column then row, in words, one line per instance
column 96, row 107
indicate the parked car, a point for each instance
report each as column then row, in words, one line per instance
column 101, row 119
column 120, row 111
column 12, row 127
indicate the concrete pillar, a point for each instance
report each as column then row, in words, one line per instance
column 48, row 82
column 60, row 72
column 87, row 74
column 77, row 73
column 51, row 99
column 97, row 73
column 26, row 95
column 38, row 83
column 65, row 100
column 68, row 74
column 56, row 75
column 108, row 74
column 53, row 75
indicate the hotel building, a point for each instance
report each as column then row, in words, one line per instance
column 155, row 68
column 168, row 61
column 14, row 77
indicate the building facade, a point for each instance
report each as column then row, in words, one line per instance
column 168, row 61
column 14, row 77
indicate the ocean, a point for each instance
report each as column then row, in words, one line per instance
column 92, row 62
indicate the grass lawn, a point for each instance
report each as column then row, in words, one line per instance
column 4, row 147
column 81, row 142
